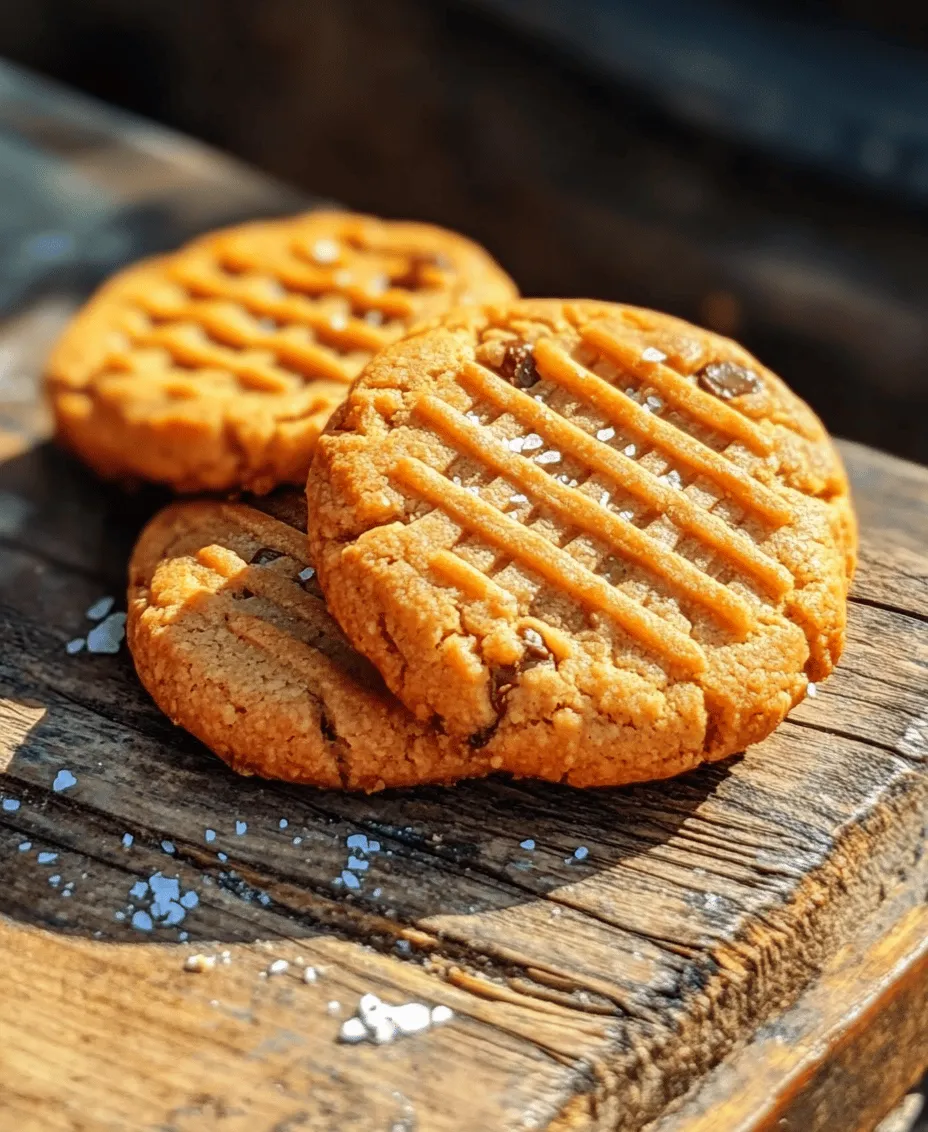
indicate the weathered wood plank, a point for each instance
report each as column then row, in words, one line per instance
column 701, row 906
column 842, row 1056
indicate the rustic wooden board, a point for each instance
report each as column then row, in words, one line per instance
column 603, row 987
column 751, row 935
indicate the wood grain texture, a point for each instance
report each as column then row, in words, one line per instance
column 595, row 990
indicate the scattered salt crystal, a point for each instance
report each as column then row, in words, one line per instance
column 518, row 498
column 441, row 1014
column 357, row 865
column 200, row 963
column 581, row 853
column 654, row 404
column 209, row 835
column 127, row 840
column 528, row 843
column 531, row 442
column 550, row 457
column 630, row 450
column 108, row 635
column 74, row 646
column 811, row 689
column 100, row 608
column 283, row 823
column 168, row 847
column 338, row 322
column 652, row 354
column 605, row 434
column 278, row 967
column 333, row 1007
column 352, row 1031
column 24, row 846
column 54, row 880
column 297, row 841
column 241, row 828
column 64, row 780
column 411, row 1017
column 325, row 251
column 349, row 879
column 370, row 1008
column 309, row 975
column 10, row 805
column 47, row 858
column 384, row 1031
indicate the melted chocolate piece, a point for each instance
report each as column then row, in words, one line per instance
column 518, row 367
column 502, row 681
column 265, row 554
column 727, row 380
column 414, row 276
column 481, row 738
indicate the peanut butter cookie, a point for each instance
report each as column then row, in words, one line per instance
column 216, row 367
column 231, row 636
column 593, row 541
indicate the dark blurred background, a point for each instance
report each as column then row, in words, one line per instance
column 759, row 168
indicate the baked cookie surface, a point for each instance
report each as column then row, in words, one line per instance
column 217, row 366
column 596, row 542
column 232, row 639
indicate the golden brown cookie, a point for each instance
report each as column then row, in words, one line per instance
column 595, row 541
column 231, row 636
column 217, row 367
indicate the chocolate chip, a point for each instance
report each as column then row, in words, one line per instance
column 328, row 731
column 481, row 738
column 414, row 276
column 502, row 680
column 518, row 367
column 264, row 555
column 727, row 380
